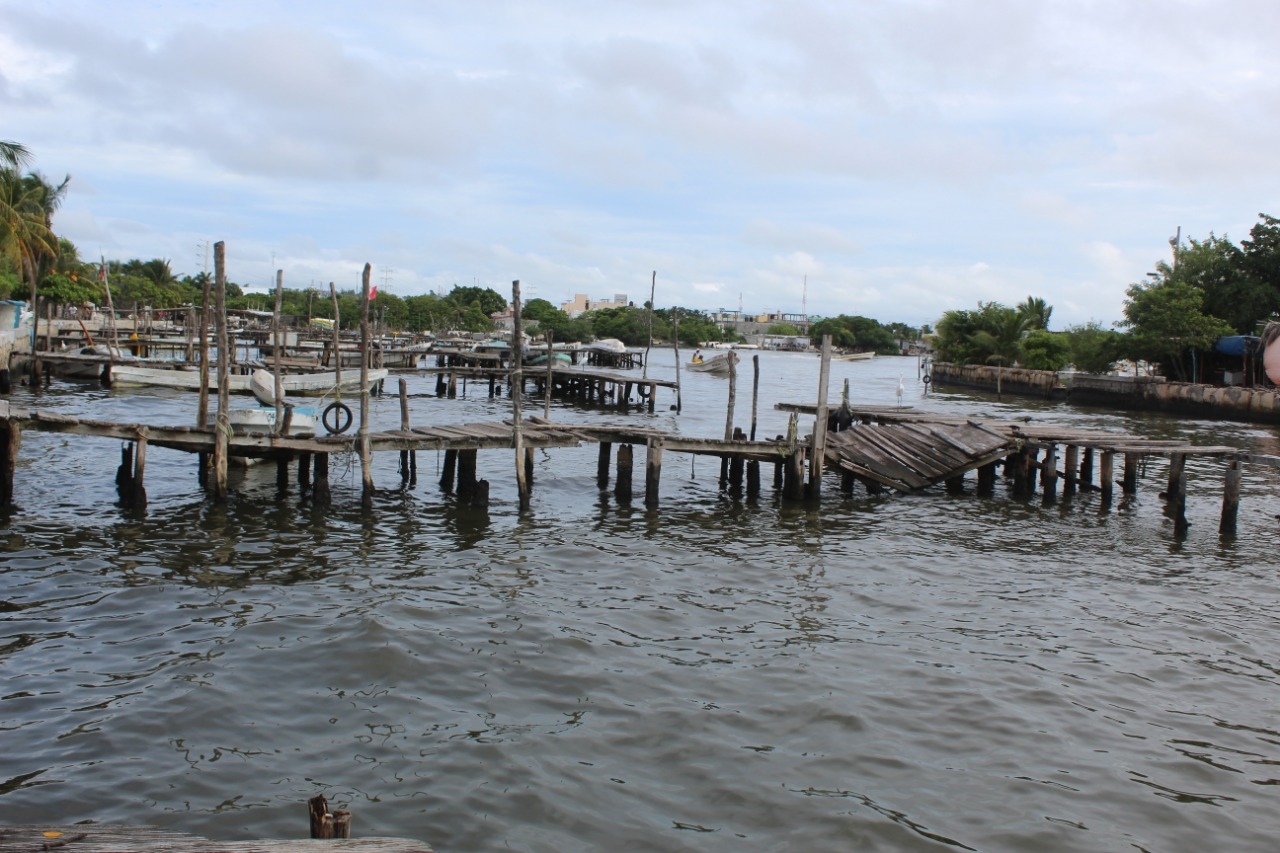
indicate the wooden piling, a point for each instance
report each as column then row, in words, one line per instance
column 304, row 472
column 223, row 423
column 124, row 474
column 466, row 475
column 277, row 353
column 652, row 472
column 517, row 395
column 622, row 479
column 1129, row 486
column 755, row 392
column 1106, row 476
column 320, row 493
column 366, row 457
column 1176, row 496
column 202, row 405
column 1049, row 474
column 449, row 469
column 987, row 479
column 408, row 463
column 282, row 475
column 12, row 438
column 602, row 464
column 480, row 495
column 1230, row 497
column 818, row 451
column 326, row 824
column 1071, row 470
column 1086, row 470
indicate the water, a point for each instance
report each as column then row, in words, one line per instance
column 891, row 673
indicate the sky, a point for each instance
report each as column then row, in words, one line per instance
column 893, row 160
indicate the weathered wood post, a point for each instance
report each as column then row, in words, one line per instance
column 1049, row 474
column 449, row 469
column 987, row 479
column 408, row 458
column 755, row 393
column 282, row 474
column 124, row 473
column 326, row 824
column 819, row 449
column 1176, row 496
column 1129, row 485
column 652, row 471
column 12, row 440
column 466, row 475
column 304, row 472
column 320, row 494
column 517, row 396
column 551, row 363
column 202, row 405
column 222, row 426
column 602, row 465
column 277, row 362
column 366, row 456
column 1230, row 497
column 1106, row 476
column 138, row 490
column 1071, row 470
column 1086, row 470
column 676, row 342
column 622, row 480
column 728, row 421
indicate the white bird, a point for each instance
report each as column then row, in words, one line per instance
column 901, row 390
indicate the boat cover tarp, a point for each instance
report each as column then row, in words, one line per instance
column 1237, row 344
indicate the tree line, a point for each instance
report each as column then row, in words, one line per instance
column 1210, row 289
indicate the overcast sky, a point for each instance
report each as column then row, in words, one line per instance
column 903, row 158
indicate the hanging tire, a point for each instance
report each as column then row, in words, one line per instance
column 336, row 418
column 927, row 379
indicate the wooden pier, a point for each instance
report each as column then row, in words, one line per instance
column 586, row 387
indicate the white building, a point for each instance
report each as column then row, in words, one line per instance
column 581, row 304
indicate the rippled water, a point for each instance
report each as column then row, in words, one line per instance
column 883, row 673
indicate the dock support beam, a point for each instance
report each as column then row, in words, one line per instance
column 12, row 439
column 1071, row 470
column 1049, row 474
column 466, row 474
column 321, row 471
column 1131, row 463
column 602, row 465
column 1106, row 477
column 1230, row 497
column 987, row 479
column 652, row 473
column 1176, row 496
column 450, row 466
column 622, row 485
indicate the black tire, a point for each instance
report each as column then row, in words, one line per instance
column 927, row 379
column 336, row 418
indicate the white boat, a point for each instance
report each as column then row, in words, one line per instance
column 718, row 365
column 612, row 345
column 95, row 355
column 856, row 356
column 299, row 384
column 311, row 384
column 186, row 377
column 262, row 420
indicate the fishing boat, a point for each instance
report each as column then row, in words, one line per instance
column 856, row 356
column 298, row 384
column 717, row 365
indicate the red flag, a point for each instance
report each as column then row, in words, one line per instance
column 373, row 293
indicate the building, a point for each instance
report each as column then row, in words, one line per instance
column 580, row 304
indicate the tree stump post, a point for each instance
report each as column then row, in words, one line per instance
column 652, row 472
column 622, row 480
column 1230, row 497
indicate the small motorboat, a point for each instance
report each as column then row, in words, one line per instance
column 717, row 365
column 302, row 420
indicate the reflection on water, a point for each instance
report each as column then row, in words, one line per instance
column 885, row 673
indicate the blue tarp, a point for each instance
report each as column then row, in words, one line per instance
column 1237, row 344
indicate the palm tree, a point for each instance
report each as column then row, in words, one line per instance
column 1037, row 312
column 27, row 204
column 14, row 155
column 1001, row 337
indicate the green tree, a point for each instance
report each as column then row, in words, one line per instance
column 1037, row 312
column 860, row 333
column 1167, row 324
column 27, row 205
column 784, row 330
column 1094, row 349
column 489, row 301
column 1045, row 350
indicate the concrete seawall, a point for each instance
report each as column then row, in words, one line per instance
column 1145, row 393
